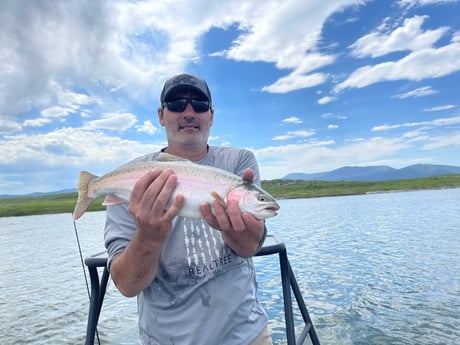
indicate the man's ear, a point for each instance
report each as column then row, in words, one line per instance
column 161, row 115
column 212, row 115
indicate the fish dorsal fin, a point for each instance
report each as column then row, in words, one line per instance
column 167, row 157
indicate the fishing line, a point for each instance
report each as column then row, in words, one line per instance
column 84, row 271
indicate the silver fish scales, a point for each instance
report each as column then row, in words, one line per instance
column 198, row 183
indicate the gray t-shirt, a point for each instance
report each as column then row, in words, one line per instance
column 204, row 293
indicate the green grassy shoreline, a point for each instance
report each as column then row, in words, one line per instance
column 280, row 189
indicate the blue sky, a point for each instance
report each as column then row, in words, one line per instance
column 307, row 85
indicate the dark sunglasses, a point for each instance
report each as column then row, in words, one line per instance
column 179, row 105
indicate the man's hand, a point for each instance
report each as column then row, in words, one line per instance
column 149, row 204
column 241, row 231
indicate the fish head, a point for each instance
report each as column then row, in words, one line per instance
column 254, row 200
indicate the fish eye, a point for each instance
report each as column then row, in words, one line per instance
column 262, row 198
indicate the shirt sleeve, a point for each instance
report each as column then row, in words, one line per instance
column 119, row 229
column 248, row 160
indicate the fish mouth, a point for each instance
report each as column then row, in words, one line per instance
column 268, row 210
column 265, row 213
column 272, row 207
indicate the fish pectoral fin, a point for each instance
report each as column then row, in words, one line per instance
column 112, row 199
column 218, row 198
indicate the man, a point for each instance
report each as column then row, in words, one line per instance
column 194, row 278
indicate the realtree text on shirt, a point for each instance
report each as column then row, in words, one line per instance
column 204, row 293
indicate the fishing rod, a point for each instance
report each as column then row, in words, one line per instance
column 84, row 271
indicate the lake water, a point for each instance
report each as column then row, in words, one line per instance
column 373, row 269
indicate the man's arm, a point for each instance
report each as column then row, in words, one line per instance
column 136, row 266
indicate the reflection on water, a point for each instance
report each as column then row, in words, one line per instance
column 375, row 269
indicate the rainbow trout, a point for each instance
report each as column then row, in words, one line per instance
column 197, row 183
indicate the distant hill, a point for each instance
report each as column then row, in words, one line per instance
column 63, row 191
column 377, row 173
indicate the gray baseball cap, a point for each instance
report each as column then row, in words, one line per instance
column 185, row 82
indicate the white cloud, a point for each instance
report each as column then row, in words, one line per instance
column 420, row 65
column 55, row 112
column 147, row 127
column 113, row 121
column 292, row 119
column 407, row 37
column 294, row 47
column 294, row 134
column 294, row 81
column 437, row 122
column 286, row 48
column 77, row 147
column 333, row 116
column 62, row 153
column 38, row 122
column 355, row 140
column 122, row 48
column 442, row 141
column 441, row 107
column 9, row 126
column 419, row 92
column 424, row 60
column 326, row 100
column 413, row 134
column 73, row 100
column 332, row 126
column 412, row 3
column 278, row 161
column 82, row 44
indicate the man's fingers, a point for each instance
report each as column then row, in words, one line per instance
column 160, row 191
column 175, row 207
column 248, row 175
column 234, row 216
column 143, row 183
column 208, row 216
column 220, row 212
column 151, row 196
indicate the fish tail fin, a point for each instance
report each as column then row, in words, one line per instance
column 84, row 200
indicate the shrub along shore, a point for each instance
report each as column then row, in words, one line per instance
column 280, row 189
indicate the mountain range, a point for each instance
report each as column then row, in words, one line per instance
column 377, row 173
column 62, row 191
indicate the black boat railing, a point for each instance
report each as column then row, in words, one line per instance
column 271, row 246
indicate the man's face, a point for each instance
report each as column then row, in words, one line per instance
column 188, row 127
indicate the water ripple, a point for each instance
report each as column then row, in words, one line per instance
column 375, row 269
